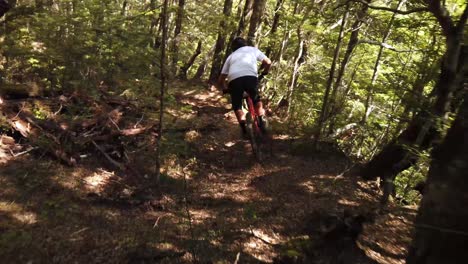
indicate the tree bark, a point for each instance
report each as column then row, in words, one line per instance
column 220, row 42
column 370, row 88
column 154, row 23
column 274, row 26
column 255, row 20
column 123, row 11
column 246, row 14
column 424, row 129
column 177, row 30
column 300, row 59
column 162, row 91
column 414, row 100
column 189, row 63
column 352, row 43
column 323, row 112
column 4, row 7
column 441, row 232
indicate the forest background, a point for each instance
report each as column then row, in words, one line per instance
column 383, row 81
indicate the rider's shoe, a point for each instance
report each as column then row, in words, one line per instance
column 263, row 124
column 245, row 134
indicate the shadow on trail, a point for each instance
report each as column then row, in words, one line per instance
column 226, row 207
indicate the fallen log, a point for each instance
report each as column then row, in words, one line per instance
column 27, row 125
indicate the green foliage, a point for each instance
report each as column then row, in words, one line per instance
column 80, row 45
column 406, row 181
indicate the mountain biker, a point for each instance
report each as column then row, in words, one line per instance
column 240, row 70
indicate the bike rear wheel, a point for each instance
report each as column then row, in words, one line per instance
column 254, row 138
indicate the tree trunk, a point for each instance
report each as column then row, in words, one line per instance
column 162, row 91
column 220, row 42
column 414, row 99
column 177, row 30
column 258, row 7
column 227, row 50
column 123, row 12
column 4, row 7
column 323, row 112
column 189, row 63
column 274, row 27
column 370, row 89
column 246, row 14
column 441, row 226
column 203, row 65
column 154, row 23
column 352, row 43
column 300, row 59
column 424, row 130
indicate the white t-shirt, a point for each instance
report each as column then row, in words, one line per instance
column 242, row 62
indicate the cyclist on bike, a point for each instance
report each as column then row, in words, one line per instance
column 240, row 69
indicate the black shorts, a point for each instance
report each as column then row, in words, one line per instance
column 237, row 88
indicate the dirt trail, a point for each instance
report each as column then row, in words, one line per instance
column 258, row 208
column 216, row 205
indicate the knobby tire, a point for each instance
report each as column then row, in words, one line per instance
column 254, row 138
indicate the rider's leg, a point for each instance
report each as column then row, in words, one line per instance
column 252, row 89
column 263, row 122
column 259, row 108
column 240, row 115
column 236, row 89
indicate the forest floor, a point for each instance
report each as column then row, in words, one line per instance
column 214, row 203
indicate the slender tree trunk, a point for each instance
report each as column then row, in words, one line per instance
column 441, row 226
column 123, row 12
column 352, row 43
column 220, row 42
column 246, row 14
column 4, row 7
column 424, row 128
column 189, row 63
column 274, row 27
column 370, row 89
column 300, row 59
column 255, row 20
column 284, row 43
column 203, row 65
column 414, row 99
column 176, row 39
column 227, row 50
column 154, row 23
column 162, row 91
column 323, row 112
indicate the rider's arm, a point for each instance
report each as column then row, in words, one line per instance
column 266, row 64
column 222, row 82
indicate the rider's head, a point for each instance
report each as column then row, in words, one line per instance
column 238, row 43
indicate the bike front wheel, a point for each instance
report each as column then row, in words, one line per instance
column 254, row 138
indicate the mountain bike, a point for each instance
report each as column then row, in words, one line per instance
column 259, row 134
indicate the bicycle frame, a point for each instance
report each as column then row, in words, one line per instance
column 253, row 113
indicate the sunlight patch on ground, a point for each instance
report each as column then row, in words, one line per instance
column 97, row 181
column 327, row 177
column 388, row 239
column 348, row 202
column 200, row 215
column 269, row 237
column 309, row 186
column 190, row 92
column 258, row 249
column 209, row 95
column 192, row 136
column 18, row 213
column 181, row 115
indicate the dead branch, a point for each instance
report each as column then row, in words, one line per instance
column 109, row 158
